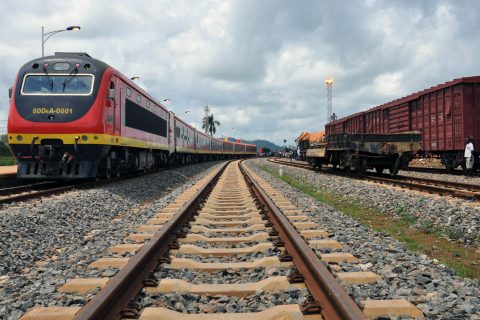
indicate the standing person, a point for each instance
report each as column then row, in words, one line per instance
column 468, row 156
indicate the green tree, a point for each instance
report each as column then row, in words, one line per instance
column 210, row 124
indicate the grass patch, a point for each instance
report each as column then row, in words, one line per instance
column 7, row 161
column 464, row 260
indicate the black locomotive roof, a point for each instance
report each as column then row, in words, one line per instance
column 86, row 63
column 74, row 54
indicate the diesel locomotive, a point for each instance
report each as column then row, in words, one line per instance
column 73, row 116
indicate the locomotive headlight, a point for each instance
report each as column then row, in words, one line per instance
column 19, row 138
column 61, row 66
column 84, row 138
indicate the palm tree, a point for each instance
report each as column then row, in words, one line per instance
column 210, row 124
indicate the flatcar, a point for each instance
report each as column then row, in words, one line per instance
column 73, row 116
column 445, row 115
column 359, row 152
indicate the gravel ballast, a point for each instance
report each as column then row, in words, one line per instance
column 431, row 286
column 45, row 242
column 191, row 303
column 458, row 218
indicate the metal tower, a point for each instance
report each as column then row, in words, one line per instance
column 206, row 110
column 329, row 83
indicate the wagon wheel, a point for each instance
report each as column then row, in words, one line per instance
column 108, row 173
column 449, row 166
column 363, row 167
column 118, row 170
column 464, row 166
column 379, row 170
column 108, row 168
column 354, row 164
column 394, row 167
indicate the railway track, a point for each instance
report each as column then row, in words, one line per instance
column 36, row 190
column 230, row 215
column 46, row 188
column 9, row 180
column 456, row 172
column 454, row 189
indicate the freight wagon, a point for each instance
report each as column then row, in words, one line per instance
column 358, row 152
column 445, row 115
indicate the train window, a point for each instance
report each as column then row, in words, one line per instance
column 139, row 98
column 129, row 92
column 148, row 104
column 58, row 84
column 177, row 132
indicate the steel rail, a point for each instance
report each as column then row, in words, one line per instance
column 114, row 301
column 428, row 186
column 437, row 170
column 457, row 185
column 32, row 191
column 456, row 189
column 36, row 194
column 26, row 187
column 10, row 179
column 334, row 301
column 30, row 187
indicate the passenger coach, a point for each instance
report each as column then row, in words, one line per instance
column 72, row 116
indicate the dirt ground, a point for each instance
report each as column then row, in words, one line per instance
column 8, row 169
column 426, row 163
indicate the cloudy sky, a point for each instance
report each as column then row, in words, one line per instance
column 260, row 64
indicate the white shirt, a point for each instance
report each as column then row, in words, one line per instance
column 468, row 150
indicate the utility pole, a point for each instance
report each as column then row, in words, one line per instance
column 329, row 83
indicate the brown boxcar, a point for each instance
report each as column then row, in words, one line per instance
column 445, row 115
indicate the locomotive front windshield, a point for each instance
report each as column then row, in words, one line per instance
column 55, row 84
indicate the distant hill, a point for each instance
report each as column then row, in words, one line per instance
column 265, row 144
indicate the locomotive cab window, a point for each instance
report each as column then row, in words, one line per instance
column 58, row 84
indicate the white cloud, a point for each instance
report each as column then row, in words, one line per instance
column 264, row 63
